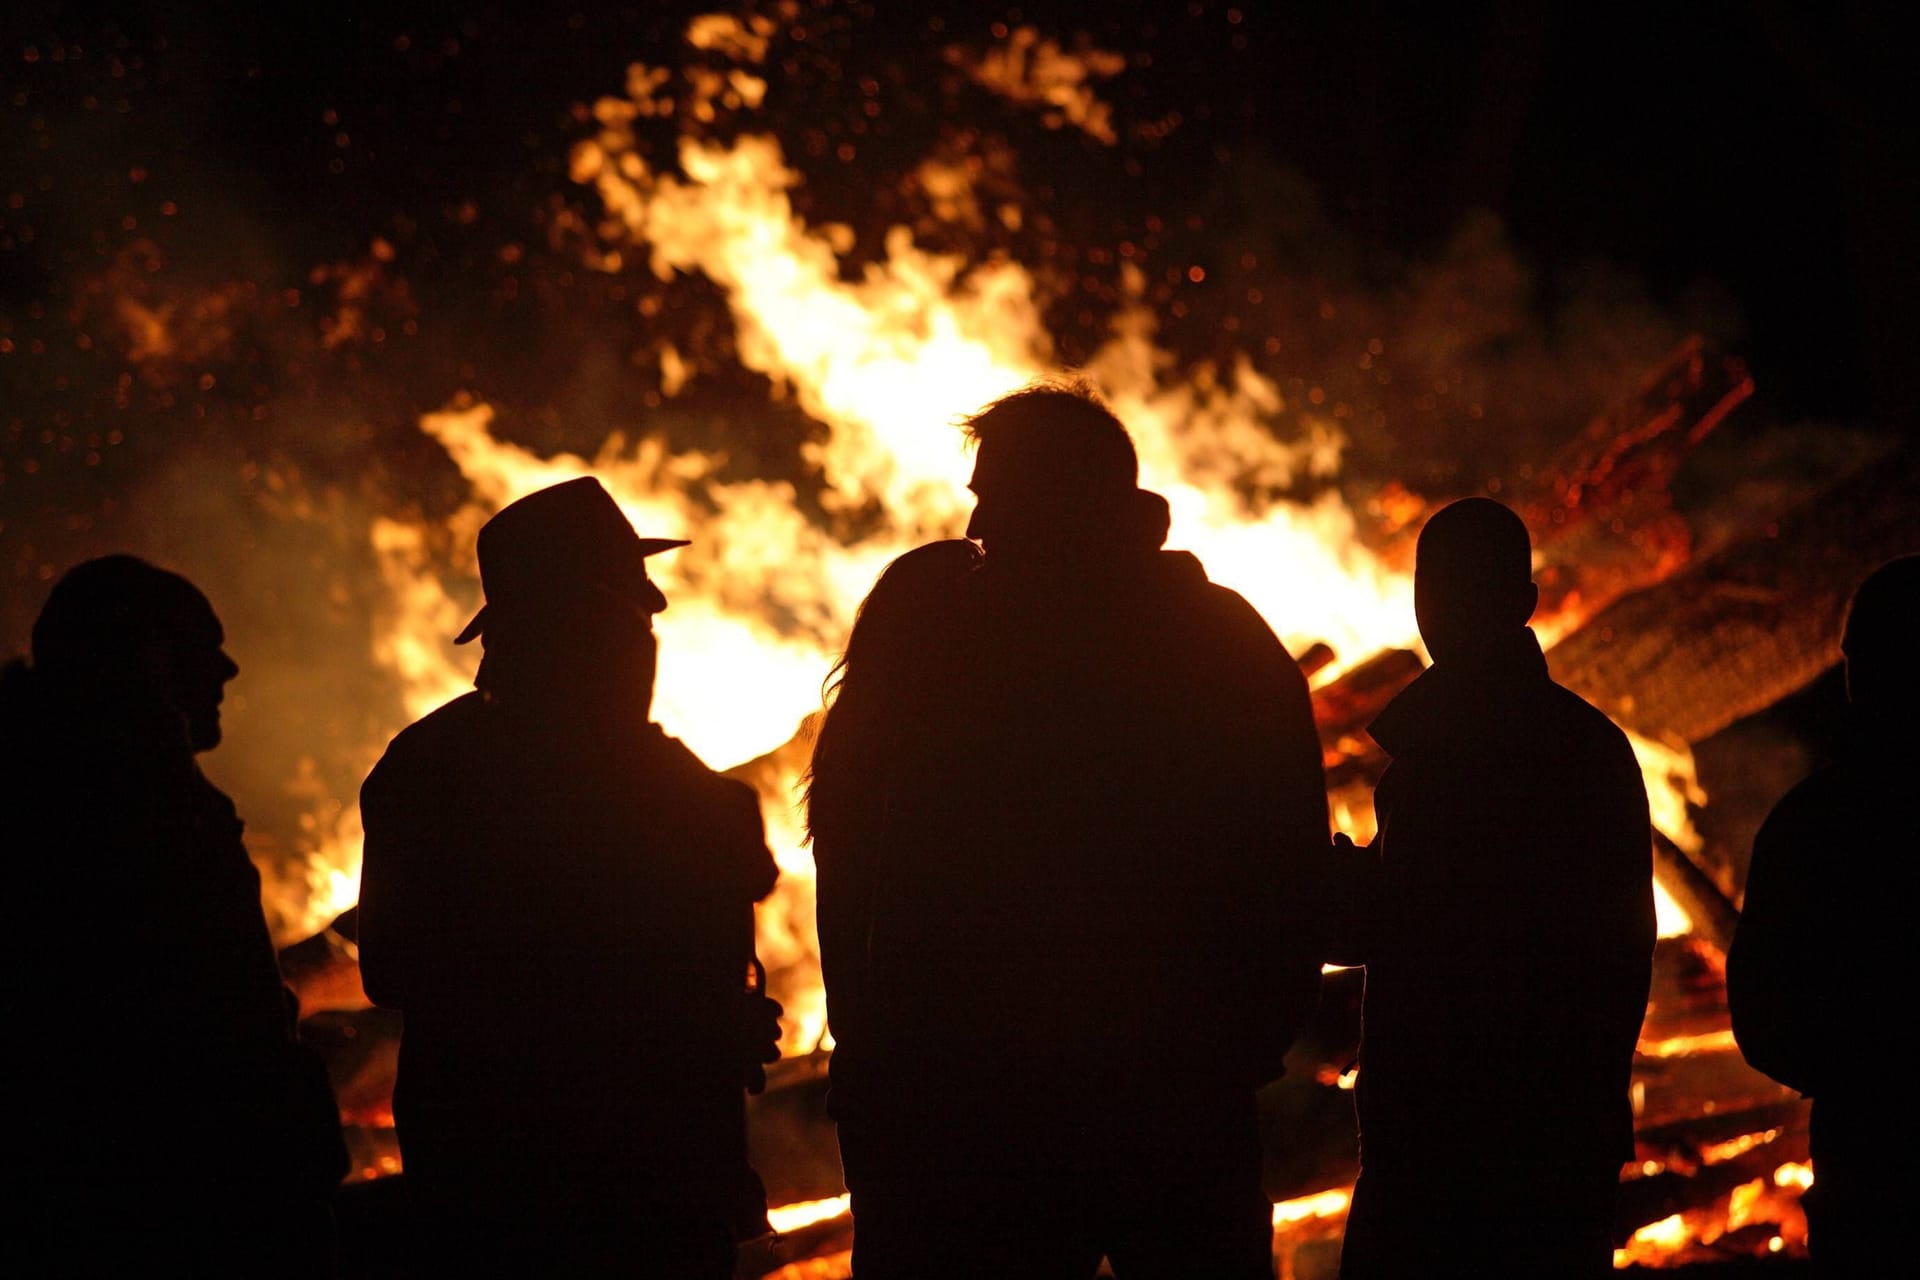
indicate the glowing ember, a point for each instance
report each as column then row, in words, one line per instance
column 1327, row 1204
column 792, row 1217
column 1656, row 1239
column 1688, row 1046
column 1709, row 1232
column 1792, row 1174
column 832, row 1266
column 1733, row 1148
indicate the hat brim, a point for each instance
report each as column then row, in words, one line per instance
column 651, row 600
column 473, row 628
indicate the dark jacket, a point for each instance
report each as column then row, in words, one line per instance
column 563, row 906
column 1077, row 866
column 141, row 985
column 1508, row 936
column 1820, row 959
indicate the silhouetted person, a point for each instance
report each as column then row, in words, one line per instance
column 903, row 669
column 1817, row 976
column 1052, row 885
column 1508, row 937
column 561, row 899
column 163, row 1119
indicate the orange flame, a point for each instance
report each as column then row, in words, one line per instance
column 886, row 359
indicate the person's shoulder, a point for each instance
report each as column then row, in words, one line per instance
column 1587, row 724
column 1822, row 800
column 1182, row 575
column 680, row 760
column 456, row 719
column 733, row 821
column 427, row 742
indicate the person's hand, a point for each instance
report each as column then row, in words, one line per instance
column 759, row 1037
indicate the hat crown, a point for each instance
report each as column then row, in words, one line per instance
column 546, row 549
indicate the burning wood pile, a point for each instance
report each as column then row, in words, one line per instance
column 1675, row 648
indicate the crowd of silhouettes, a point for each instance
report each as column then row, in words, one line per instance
column 1075, row 887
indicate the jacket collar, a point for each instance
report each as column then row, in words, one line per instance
column 1105, row 577
column 1463, row 686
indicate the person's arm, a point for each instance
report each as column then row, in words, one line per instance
column 744, row 829
column 387, row 910
column 1629, row 924
column 1340, row 898
column 1292, row 825
column 845, row 802
column 1777, row 984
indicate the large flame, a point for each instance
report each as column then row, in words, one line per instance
column 886, row 359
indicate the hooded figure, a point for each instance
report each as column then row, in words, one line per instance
column 1507, row 932
column 1821, row 957
column 1058, row 802
column 561, row 897
column 175, row 1125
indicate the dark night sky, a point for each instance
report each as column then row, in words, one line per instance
column 1744, row 144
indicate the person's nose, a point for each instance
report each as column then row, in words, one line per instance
column 228, row 668
column 976, row 523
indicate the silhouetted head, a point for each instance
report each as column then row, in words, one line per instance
column 899, row 657
column 120, row 632
column 1472, row 578
column 912, row 604
column 1054, row 479
column 1883, row 678
column 569, row 601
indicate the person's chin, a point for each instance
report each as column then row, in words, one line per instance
column 204, row 733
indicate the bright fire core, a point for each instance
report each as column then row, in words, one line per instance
column 885, row 359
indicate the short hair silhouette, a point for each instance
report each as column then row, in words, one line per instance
column 1878, row 638
column 1063, row 435
column 104, row 614
column 1055, row 479
column 1473, row 574
column 1476, row 541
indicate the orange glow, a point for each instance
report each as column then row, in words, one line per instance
column 1704, row 1233
column 885, row 357
column 1733, row 1148
column 1795, row 1175
column 792, row 1217
column 832, row 1266
column 1325, row 1204
column 1688, row 1046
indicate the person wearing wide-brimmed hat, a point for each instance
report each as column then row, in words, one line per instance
column 561, row 899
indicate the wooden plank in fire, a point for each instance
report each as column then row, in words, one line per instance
column 1600, row 511
column 1738, row 632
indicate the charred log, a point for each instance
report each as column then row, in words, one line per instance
column 1748, row 626
column 1713, row 916
column 1343, row 708
column 1600, row 511
column 1671, row 1191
